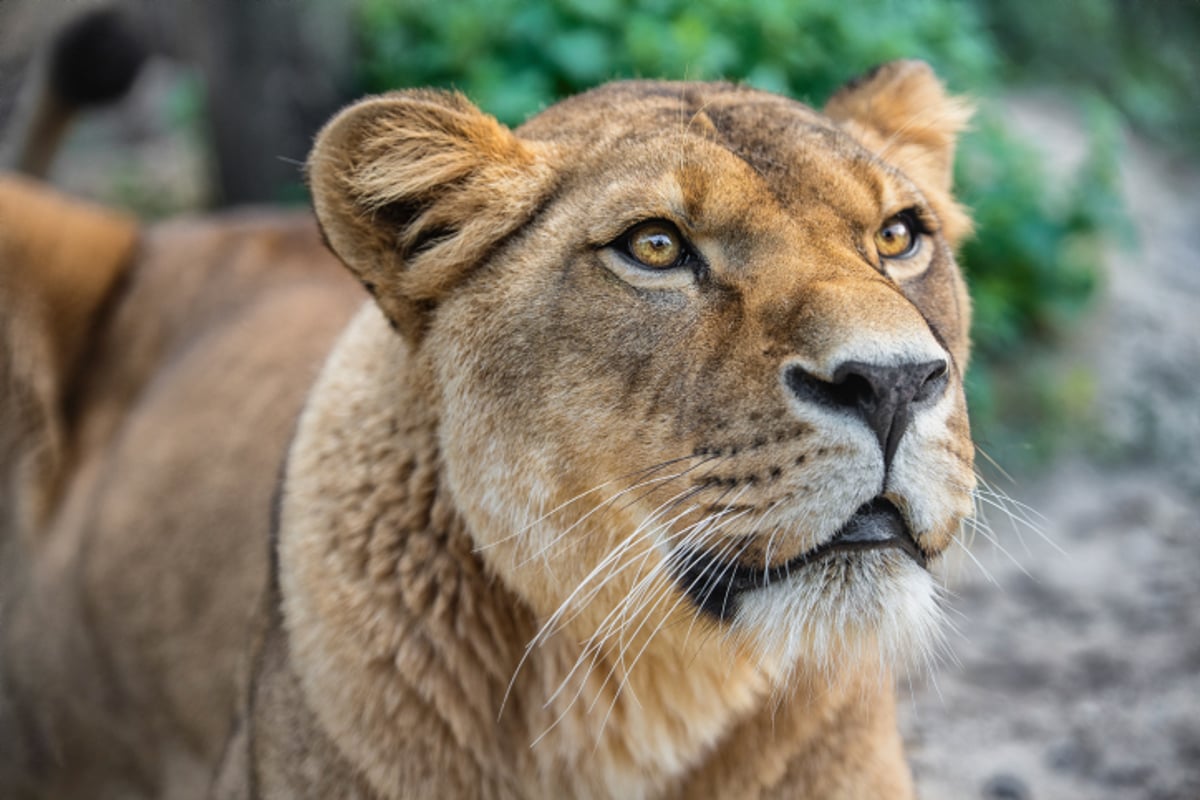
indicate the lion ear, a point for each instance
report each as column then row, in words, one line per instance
column 902, row 113
column 413, row 189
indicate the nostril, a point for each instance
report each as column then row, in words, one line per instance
column 808, row 387
column 858, row 382
column 934, row 382
column 852, row 391
column 883, row 396
column 847, row 388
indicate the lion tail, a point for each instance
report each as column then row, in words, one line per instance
column 92, row 61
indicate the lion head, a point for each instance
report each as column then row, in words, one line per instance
column 695, row 350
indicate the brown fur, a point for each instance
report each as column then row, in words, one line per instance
column 440, row 621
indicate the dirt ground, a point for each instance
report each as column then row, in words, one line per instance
column 1078, row 663
column 1076, row 671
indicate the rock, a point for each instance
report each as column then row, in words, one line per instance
column 1006, row 787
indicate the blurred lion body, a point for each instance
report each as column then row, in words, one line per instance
column 416, row 623
column 141, row 496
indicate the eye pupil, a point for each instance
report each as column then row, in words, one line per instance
column 896, row 239
column 658, row 242
column 656, row 246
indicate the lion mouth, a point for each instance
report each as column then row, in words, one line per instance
column 713, row 584
column 877, row 525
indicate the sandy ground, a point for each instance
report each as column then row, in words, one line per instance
column 1079, row 671
column 1078, row 663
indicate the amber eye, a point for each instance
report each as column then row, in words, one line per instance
column 656, row 245
column 897, row 238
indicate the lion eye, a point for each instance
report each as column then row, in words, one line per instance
column 897, row 238
column 656, row 245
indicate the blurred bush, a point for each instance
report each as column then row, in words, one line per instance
column 1143, row 56
column 1033, row 266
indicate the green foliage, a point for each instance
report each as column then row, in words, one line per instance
column 513, row 57
column 1033, row 266
column 1034, row 270
column 1143, row 56
column 1033, row 262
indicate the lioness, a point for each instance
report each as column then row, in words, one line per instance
column 626, row 484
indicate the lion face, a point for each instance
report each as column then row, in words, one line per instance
column 697, row 350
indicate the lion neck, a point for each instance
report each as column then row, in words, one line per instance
column 387, row 607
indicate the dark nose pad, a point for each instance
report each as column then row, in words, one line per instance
column 883, row 396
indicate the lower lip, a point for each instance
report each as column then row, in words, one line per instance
column 877, row 525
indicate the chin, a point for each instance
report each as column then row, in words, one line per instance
column 848, row 613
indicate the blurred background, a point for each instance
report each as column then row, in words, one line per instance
column 1075, row 672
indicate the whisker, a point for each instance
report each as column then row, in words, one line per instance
column 596, row 640
column 985, row 499
column 966, row 550
column 546, row 629
column 997, row 503
column 995, row 541
column 628, row 543
column 624, row 615
column 706, row 460
column 995, row 464
column 635, row 473
column 1000, row 493
column 1005, row 503
column 607, row 504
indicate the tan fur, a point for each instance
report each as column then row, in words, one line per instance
column 46, row 319
column 492, row 481
column 900, row 112
column 127, row 611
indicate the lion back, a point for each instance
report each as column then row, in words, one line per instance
column 59, row 260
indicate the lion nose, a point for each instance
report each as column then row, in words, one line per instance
column 883, row 396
